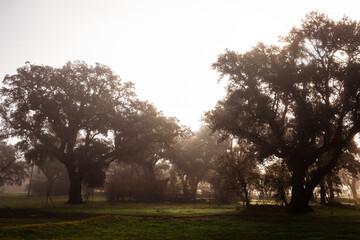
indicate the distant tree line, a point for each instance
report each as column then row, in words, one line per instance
column 285, row 129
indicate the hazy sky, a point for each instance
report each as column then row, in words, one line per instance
column 165, row 47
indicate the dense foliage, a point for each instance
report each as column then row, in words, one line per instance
column 12, row 171
column 285, row 129
column 299, row 102
column 84, row 116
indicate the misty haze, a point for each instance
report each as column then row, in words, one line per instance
column 179, row 119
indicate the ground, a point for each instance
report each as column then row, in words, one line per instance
column 22, row 218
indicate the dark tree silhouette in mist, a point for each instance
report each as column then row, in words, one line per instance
column 236, row 171
column 192, row 157
column 81, row 115
column 299, row 102
column 12, row 172
column 149, row 134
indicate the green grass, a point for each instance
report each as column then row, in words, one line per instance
column 178, row 221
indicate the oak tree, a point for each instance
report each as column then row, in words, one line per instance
column 299, row 101
column 67, row 112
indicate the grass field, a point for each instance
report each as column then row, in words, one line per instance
column 29, row 218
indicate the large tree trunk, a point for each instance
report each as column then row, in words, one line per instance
column 300, row 197
column 301, row 192
column 75, row 187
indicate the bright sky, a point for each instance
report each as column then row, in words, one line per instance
column 166, row 47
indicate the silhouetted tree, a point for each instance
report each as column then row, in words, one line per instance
column 155, row 135
column 70, row 110
column 352, row 182
column 192, row 157
column 12, row 172
column 277, row 181
column 51, row 177
column 121, row 182
column 125, row 182
column 150, row 135
column 54, row 171
column 350, row 168
column 299, row 102
column 237, row 172
column 347, row 167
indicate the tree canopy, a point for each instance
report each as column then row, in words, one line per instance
column 236, row 171
column 192, row 157
column 299, row 102
column 11, row 171
column 82, row 115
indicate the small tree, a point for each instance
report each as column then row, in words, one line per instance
column 237, row 171
column 350, row 172
column 276, row 182
column 55, row 174
column 12, row 172
column 192, row 157
column 148, row 134
column 348, row 166
column 352, row 182
column 50, row 178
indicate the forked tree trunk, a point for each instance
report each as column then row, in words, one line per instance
column 301, row 193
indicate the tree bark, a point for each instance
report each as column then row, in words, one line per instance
column 301, row 192
column 75, row 188
column 300, row 197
